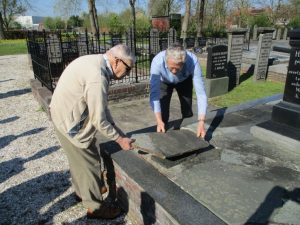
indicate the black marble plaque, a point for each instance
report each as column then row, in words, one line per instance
column 216, row 61
column 292, row 84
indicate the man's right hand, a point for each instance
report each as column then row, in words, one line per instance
column 160, row 127
column 125, row 143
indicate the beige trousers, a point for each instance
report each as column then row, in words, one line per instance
column 85, row 169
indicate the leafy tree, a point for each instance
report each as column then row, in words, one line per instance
column 164, row 7
column 8, row 10
column 75, row 21
column 261, row 20
column 295, row 22
column 115, row 23
column 54, row 23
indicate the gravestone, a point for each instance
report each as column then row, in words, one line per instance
column 116, row 39
column 216, row 71
column 130, row 39
column 263, row 53
column 163, row 43
column 172, row 36
column 274, row 35
column 82, row 44
column 283, row 129
column 54, row 48
column 278, row 36
column 202, row 42
column 154, row 42
column 288, row 111
column 285, row 33
column 190, row 42
column 254, row 32
column 235, row 52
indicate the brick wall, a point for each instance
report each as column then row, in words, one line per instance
column 140, row 206
column 128, row 91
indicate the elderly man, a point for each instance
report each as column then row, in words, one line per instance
column 79, row 110
column 179, row 69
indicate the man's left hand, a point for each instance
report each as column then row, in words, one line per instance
column 201, row 129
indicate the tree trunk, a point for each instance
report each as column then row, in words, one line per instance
column 200, row 17
column 93, row 17
column 2, row 36
column 185, row 22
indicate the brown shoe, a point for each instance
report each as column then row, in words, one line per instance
column 103, row 190
column 104, row 212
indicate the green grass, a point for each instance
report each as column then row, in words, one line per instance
column 13, row 47
column 247, row 91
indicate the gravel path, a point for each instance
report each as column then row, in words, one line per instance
column 34, row 177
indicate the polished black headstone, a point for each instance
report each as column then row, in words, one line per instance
column 216, row 61
column 288, row 111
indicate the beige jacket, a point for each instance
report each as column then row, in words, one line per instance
column 79, row 103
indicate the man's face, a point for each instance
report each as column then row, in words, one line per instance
column 121, row 68
column 174, row 66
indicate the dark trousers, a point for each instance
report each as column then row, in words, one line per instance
column 185, row 93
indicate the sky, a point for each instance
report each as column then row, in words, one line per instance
column 46, row 7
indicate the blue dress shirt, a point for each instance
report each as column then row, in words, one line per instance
column 160, row 73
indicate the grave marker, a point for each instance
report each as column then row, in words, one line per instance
column 263, row 53
column 216, row 71
column 235, row 52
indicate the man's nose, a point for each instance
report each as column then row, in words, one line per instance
column 174, row 71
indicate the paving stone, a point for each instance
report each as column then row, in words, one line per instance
column 170, row 144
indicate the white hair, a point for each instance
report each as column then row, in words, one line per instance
column 123, row 52
column 176, row 52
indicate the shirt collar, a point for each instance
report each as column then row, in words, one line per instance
column 108, row 65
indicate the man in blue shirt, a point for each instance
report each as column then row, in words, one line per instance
column 179, row 69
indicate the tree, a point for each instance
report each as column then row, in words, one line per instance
column 163, row 7
column 199, row 18
column 93, row 17
column 54, row 23
column 8, row 10
column 186, row 18
column 75, row 21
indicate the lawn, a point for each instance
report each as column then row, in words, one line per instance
column 13, row 47
column 247, row 91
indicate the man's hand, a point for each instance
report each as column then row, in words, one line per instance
column 201, row 129
column 125, row 143
column 160, row 127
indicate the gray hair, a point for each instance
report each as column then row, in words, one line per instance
column 176, row 52
column 123, row 52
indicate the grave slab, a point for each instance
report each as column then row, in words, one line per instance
column 170, row 144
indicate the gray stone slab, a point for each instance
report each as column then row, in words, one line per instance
column 216, row 87
column 170, row 144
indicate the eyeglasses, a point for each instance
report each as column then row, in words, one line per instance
column 128, row 68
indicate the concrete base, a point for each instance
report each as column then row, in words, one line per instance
column 287, row 113
column 282, row 136
column 216, row 86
